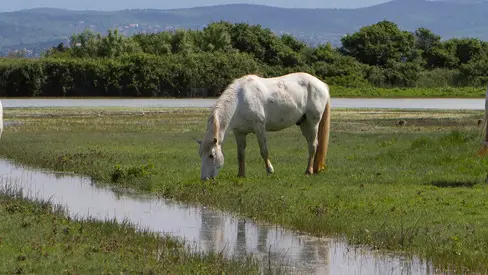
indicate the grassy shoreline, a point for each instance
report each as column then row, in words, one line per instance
column 415, row 188
column 39, row 238
column 438, row 92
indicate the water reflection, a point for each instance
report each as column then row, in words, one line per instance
column 400, row 103
column 211, row 231
column 206, row 229
column 241, row 244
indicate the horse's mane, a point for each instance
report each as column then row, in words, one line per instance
column 225, row 99
column 223, row 109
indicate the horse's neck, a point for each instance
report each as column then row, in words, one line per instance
column 223, row 112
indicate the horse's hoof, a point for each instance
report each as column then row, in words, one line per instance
column 270, row 170
column 323, row 168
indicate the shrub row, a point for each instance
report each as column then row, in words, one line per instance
column 193, row 75
column 188, row 75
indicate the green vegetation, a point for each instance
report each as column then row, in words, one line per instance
column 415, row 188
column 37, row 238
column 378, row 60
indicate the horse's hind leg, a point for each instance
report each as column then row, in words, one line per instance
column 309, row 130
column 241, row 152
column 260, row 132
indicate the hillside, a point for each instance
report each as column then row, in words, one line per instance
column 37, row 28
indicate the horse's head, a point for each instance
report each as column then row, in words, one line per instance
column 212, row 158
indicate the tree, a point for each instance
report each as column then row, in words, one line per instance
column 434, row 53
column 323, row 52
column 467, row 49
column 247, row 39
column 295, row 44
column 379, row 44
column 441, row 57
column 264, row 45
column 155, row 43
column 85, row 43
column 115, row 45
column 426, row 40
column 216, row 37
column 474, row 73
column 182, row 42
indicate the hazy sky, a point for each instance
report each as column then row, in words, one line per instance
column 168, row 4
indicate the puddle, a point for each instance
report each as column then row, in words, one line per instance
column 207, row 229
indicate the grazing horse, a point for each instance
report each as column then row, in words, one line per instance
column 252, row 104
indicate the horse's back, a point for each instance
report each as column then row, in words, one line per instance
column 281, row 101
column 302, row 90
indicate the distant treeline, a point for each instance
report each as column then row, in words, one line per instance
column 189, row 63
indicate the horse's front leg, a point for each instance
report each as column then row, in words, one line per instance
column 260, row 132
column 241, row 152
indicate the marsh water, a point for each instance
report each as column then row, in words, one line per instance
column 206, row 229
column 395, row 103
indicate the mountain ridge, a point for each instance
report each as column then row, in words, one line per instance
column 446, row 18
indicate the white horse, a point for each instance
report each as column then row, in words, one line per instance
column 484, row 148
column 1, row 119
column 252, row 104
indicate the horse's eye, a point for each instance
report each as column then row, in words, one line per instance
column 211, row 156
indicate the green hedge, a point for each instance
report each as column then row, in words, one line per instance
column 179, row 75
column 193, row 75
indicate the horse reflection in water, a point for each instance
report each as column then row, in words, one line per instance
column 240, row 248
column 212, row 230
column 240, row 238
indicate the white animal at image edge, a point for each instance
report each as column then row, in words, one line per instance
column 1, row 119
column 484, row 147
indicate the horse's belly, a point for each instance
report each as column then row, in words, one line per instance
column 277, row 127
column 281, row 119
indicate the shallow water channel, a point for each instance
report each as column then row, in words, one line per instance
column 206, row 229
column 394, row 103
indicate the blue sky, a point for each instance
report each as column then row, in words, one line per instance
column 165, row 4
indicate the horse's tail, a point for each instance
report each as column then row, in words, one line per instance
column 323, row 140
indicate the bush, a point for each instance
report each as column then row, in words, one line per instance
column 21, row 78
column 437, row 78
column 202, row 74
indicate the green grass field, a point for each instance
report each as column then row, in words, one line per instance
column 37, row 238
column 415, row 188
column 442, row 92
